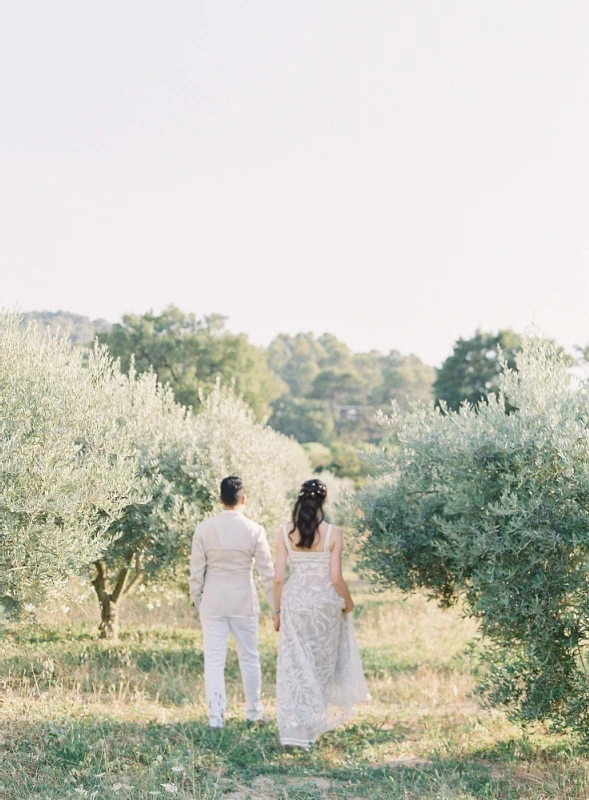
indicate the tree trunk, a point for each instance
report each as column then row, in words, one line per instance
column 110, row 601
column 109, row 612
column 109, row 619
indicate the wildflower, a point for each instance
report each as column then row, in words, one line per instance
column 81, row 790
column 117, row 787
column 178, row 768
column 170, row 787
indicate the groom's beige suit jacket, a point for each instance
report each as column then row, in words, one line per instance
column 224, row 551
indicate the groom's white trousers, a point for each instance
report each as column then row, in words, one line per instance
column 215, row 634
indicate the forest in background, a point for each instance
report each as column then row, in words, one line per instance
column 313, row 388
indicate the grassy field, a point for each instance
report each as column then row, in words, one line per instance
column 84, row 718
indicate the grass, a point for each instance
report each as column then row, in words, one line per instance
column 84, row 718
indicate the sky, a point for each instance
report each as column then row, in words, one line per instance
column 396, row 173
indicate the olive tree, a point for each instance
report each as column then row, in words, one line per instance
column 104, row 468
column 492, row 509
column 182, row 458
column 68, row 466
column 149, row 537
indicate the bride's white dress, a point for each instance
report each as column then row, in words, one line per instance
column 319, row 674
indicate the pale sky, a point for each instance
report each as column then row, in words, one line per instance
column 396, row 173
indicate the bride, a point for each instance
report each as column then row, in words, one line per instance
column 319, row 675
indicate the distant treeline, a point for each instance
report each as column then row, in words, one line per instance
column 313, row 388
column 81, row 330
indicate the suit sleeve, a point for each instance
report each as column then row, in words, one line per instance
column 264, row 565
column 198, row 567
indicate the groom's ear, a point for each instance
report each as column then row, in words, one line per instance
column 244, row 500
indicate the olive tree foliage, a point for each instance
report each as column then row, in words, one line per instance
column 148, row 539
column 182, row 459
column 106, row 469
column 340, row 494
column 231, row 442
column 68, row 466
column 492, row 509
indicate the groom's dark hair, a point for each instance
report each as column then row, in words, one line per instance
column 232, row 490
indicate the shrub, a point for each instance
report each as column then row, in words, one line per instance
column 318, row 454
column 68, row 467
column 493, row 508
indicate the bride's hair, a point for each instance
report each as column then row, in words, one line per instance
column 307, row 514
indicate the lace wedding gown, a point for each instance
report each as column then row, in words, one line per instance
column 319, row 674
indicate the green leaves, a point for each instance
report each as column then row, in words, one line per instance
column 183, row 458
column 101, row 465
column 470, row 374
column 492, row 508
column 334, row 393
column 67, row 467
column 191, row 354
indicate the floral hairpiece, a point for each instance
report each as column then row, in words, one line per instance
column 316, row 488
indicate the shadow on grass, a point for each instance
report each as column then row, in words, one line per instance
column 243, row 749
column 147, row 753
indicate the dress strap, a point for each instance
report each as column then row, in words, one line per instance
column 327, row 538
column 286, row 539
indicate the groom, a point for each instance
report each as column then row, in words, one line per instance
column 222, row 589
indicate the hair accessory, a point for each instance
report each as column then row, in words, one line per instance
column 313, row 488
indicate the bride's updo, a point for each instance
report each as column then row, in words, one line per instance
column 307, row 514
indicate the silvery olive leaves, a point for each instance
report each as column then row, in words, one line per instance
column 99, row 466
column 489, row 506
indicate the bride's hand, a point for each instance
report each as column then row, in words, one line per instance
column 349, row 607
column 276, row 622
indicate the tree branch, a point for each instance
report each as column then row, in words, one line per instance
column 120, row 584
column 137, row 577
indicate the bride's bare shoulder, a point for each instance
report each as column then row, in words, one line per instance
column 334, row 528
column 335, row 535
